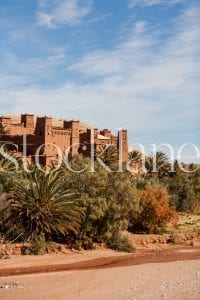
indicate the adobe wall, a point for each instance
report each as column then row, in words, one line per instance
column 58, row 133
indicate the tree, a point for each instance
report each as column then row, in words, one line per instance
column 154, row 210
column 184, row 189
column 194, row 179
column 109, row 155
column 161, row 163
column 135, row 155
column 107, row 199
column 42, row 204
column 7, row 173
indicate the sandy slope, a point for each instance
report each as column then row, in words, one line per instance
column 178, row 280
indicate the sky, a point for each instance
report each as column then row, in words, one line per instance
column 130, row 64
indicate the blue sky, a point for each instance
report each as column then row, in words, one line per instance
column 112, row 63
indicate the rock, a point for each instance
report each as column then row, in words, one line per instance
column 11, row 285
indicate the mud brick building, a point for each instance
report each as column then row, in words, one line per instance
column 49, row 133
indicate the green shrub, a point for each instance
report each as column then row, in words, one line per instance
column 162, row 230
column 85, row 243
column 38, row 244
column 120, row 243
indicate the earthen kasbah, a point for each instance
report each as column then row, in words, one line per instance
column 49, row 134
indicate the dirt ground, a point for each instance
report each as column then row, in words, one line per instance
column 104, row 274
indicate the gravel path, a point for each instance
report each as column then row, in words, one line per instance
column 178, row 280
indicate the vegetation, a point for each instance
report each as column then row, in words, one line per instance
column 38, row 244
column 119, row 242
column 42, row 204
column 85, row 208
column 135, row 155
column 154, row 212
column 184, row 190
column 161, row 162
column 109, row 156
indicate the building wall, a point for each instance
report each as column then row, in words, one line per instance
column 49, row 134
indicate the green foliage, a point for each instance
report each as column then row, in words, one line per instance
column 38, row 244
column 7, row 173
column 109, row 156
column 107, row 198
column 183, row 187
column 85, row 243
column 119, row 242
column 161, row 162
column 85, row 208
column 43, row 204
column 135, row 155
column 6, row 182
column 181, row 192
column 184, row 190
column 162, row 230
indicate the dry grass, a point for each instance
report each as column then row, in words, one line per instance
column 187, row 223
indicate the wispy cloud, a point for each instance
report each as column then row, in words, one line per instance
column 29, row 70
column 53, row 13
column 133, row 3
column 149, row 86
column 148, row 82
column 116, row 61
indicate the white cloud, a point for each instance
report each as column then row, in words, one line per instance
column 53, row 13
column 133, row 3
column 140, row 26
column 143, row 68
column 147, row 86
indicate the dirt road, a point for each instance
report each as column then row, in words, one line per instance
column 155, row 275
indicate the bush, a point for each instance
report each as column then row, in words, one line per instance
column 107, row 199
column 85, row 243
column 38, row 245
column 182, row 195
column 155, row 211
column 162, row 230
column 120, row 243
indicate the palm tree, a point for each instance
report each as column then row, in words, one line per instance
column 135, row 158
column 109, row 155
column 158, row 164
column 8, row 165
column 42, row 204
column 135, row 155
column 8, row 170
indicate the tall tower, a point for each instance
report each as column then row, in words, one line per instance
column 74, row 140
column 123, row 144
column 43, row 132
